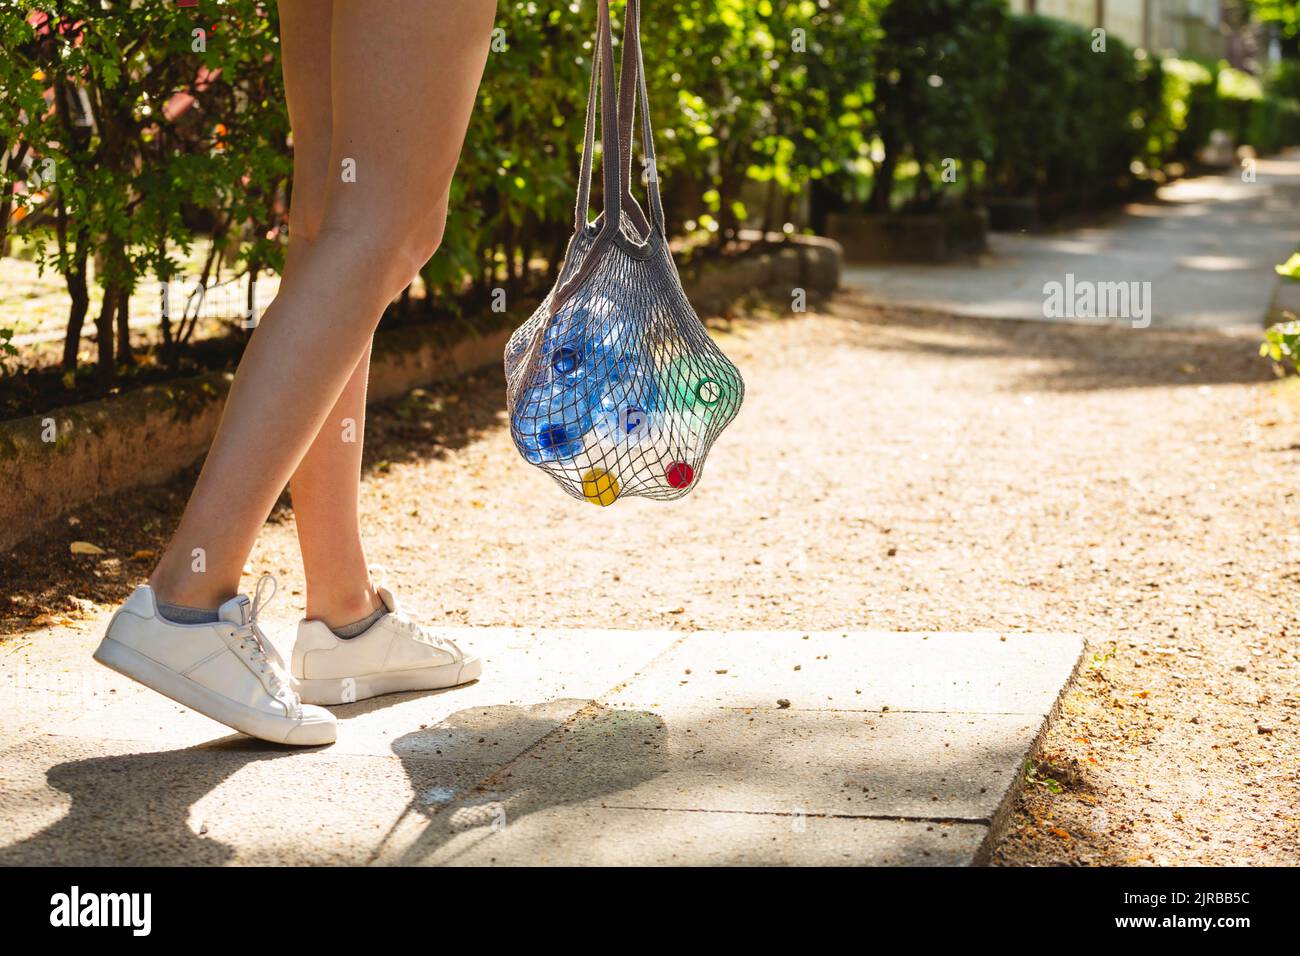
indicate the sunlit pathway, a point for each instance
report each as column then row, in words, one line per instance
column 1207, row 247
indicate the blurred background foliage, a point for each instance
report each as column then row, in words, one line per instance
column 140, row 142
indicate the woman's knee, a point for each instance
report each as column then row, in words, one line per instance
column 422, row 237
column 303, row 231
column 306, row 213
column 392, row 250
column 423, row 243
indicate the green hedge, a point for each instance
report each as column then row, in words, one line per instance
column 1191, row 109
column 1284, row 79
column 1240, row 103
column 1073, row 118
column 1263, row 115
column 940, row 75
column 741, row 91
column 768, row 92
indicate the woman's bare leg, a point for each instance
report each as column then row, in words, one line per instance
column 326, row 490
column 327, row 483
column 403, row 76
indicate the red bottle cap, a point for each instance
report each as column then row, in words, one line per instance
column 680, row 474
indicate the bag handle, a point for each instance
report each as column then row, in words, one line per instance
column 616, row 148
column 617, row 156
column 602, row 75
column 631, row 86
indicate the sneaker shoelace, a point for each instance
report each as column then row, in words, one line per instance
column 379, row 574
column 260, row 649
column 424, row 635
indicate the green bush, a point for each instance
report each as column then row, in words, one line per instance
column 1264, row 116
column 769, row 92
column 1072, row 120
column 512, row 196
column 737, row 96
column 1282, row 345
column 773, row 92
column 940, row 83
column 1274, row 123
column 1284, row 79
column 1037, row 131
column 1190, row 94
column 812, row 68
column 1282, row 341
column 122, row 170
column 1238, row 93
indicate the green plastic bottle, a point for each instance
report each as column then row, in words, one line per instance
column 701, row 386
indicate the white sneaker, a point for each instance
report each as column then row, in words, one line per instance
column 394, row 654
column 228, row 671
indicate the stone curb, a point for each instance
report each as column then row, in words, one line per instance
column 1001, row 818
column 147, row 435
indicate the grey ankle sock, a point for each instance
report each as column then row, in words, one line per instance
column 180, row 614
column 359, row 627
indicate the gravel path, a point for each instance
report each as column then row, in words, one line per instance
column 898, row 470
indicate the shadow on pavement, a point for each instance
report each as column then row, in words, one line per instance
column 138, row 809
column 499, row 799
column 133, row 809
column 1062, row 357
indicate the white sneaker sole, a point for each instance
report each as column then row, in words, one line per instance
column 308, row 732
column 349, row 690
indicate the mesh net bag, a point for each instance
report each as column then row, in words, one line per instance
column 613, row 385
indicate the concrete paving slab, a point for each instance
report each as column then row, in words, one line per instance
column 528, row 672
column 894, row 748
column 533, row 681
column 922, row 766
column 102, row 802
column 982, row 673
column 45, row 677
column 593, row 836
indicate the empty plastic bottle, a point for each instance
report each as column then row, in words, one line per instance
column 550, row 421
column 702, row 388
column 553, row 416
column 630, row 406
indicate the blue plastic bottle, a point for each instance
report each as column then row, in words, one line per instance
column 552, row 418
column 590, row 374
column 550, row 421
column 629, row 397
column 630, row 406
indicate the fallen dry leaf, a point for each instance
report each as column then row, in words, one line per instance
column 51, row 620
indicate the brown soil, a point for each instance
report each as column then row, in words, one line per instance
column 897, row 470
